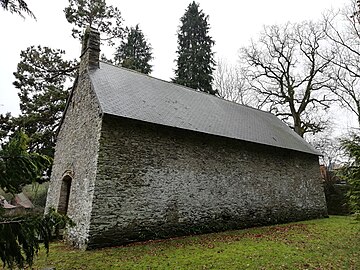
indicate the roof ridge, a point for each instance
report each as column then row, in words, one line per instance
column 186, row 87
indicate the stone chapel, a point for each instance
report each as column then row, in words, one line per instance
column 140, row 158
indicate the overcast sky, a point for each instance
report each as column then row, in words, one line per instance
column 233, row 23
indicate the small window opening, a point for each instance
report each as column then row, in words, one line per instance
column 64, row 195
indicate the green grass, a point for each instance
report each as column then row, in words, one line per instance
column 332, row 243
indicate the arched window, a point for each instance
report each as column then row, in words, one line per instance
column 64, row 195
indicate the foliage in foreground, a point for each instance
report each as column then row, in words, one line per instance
column 18, row 167
column 351, row 172
column 331, row 243
column 16, row 6
column 20, row 236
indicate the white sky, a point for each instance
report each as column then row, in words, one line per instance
column 233, row 23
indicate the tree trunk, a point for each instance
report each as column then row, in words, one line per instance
column 297, row 125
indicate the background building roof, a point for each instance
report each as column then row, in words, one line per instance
column 130, row 94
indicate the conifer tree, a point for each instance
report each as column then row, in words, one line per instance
column 96, row 14
column 21, row 235
column 134, row 52
column 195, row 62
column 43, row 78
column 350, row 172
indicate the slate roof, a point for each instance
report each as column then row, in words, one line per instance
column 130, row 94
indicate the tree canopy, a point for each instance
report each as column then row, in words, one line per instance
column 343, row 31
column 41, row 78
column 195, row 61
column 134, row 52
column 287, row 70
column 16, row 6
column 96, row 14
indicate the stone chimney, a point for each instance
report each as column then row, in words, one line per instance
column 90, row 51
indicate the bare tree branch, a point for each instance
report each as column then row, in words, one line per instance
column 343, row 30
column 231, row 83
column 287, row 71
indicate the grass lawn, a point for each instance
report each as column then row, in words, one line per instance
column 332, row 243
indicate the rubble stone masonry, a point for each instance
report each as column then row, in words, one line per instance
column 76, row 160
column 156, row 182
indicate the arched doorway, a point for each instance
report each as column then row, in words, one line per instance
column 64, row 194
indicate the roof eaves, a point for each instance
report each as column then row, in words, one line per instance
column 313, row 152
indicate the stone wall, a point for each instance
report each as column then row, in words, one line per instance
column 75, row 159
column 156, row 182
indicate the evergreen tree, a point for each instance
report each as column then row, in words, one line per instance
column 135, row 52
column 195, row 62
column 18, row 167
column 96, row 14
column 41, row 78
column 20, row 236
column 350, row 172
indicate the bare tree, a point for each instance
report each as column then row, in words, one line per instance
column 343, row 30
column 231, row 84
column 288, row 73
column 329, row 147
